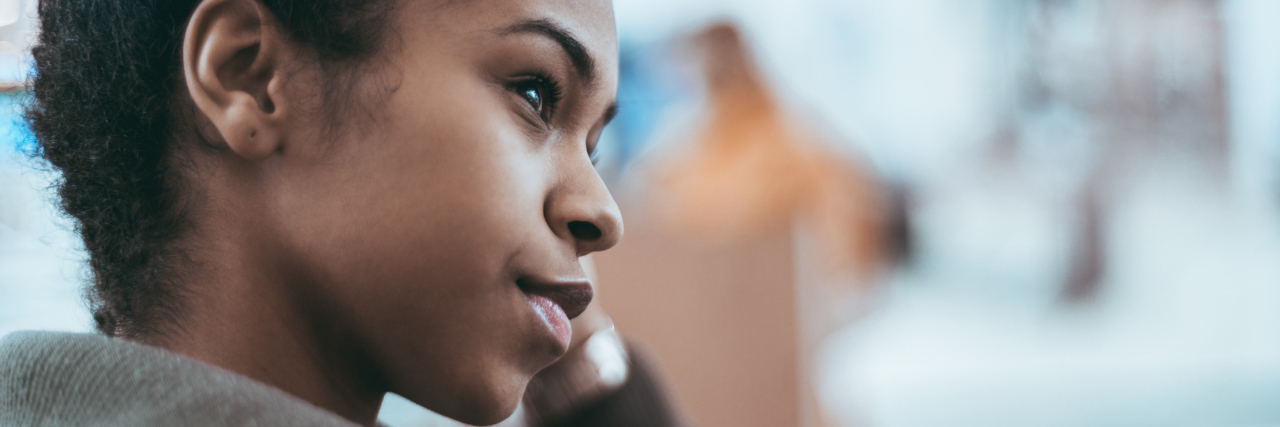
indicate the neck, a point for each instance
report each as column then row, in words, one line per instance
column 244, row 312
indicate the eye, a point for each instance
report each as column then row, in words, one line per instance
column 540, row 92
column 534, row 97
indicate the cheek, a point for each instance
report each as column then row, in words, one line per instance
column 449, row 315
column 409, row 232
column 434, row 213
column 450, row 182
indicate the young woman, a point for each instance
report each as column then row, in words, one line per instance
column 293, row 207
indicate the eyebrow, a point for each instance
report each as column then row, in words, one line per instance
column 582, row 61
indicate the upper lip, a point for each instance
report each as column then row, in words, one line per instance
column 571, row 295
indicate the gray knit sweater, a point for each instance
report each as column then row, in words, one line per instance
column 66, row 379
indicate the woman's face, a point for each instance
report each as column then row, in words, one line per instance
column 442, row 230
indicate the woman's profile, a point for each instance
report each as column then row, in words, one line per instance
column 294, row 207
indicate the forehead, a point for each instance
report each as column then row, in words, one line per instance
column 591, row 22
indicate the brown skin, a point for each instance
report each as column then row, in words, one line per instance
column 385, row 256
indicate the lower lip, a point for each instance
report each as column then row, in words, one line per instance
column 553, row 316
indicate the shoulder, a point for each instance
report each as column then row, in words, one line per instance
column 55, row 378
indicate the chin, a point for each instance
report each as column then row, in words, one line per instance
column 486, row 413
column 480, row 406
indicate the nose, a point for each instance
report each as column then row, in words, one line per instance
column 581, row 210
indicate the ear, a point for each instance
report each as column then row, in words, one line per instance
column 231, row 60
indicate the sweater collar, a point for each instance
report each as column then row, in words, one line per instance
column 56, row 378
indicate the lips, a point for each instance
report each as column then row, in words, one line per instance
column 572, row 296
column 556, row 302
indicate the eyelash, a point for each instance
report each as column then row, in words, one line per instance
column 548, row 89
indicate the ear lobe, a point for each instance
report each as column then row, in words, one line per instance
column 230, row 59
column 251, row 139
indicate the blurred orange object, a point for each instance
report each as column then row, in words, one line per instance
column 751, row 170
column 745, row 249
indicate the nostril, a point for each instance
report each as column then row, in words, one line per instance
column 583, row 230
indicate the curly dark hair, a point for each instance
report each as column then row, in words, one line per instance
column 105, row 107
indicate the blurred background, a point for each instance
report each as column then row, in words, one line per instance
column 898, row 213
